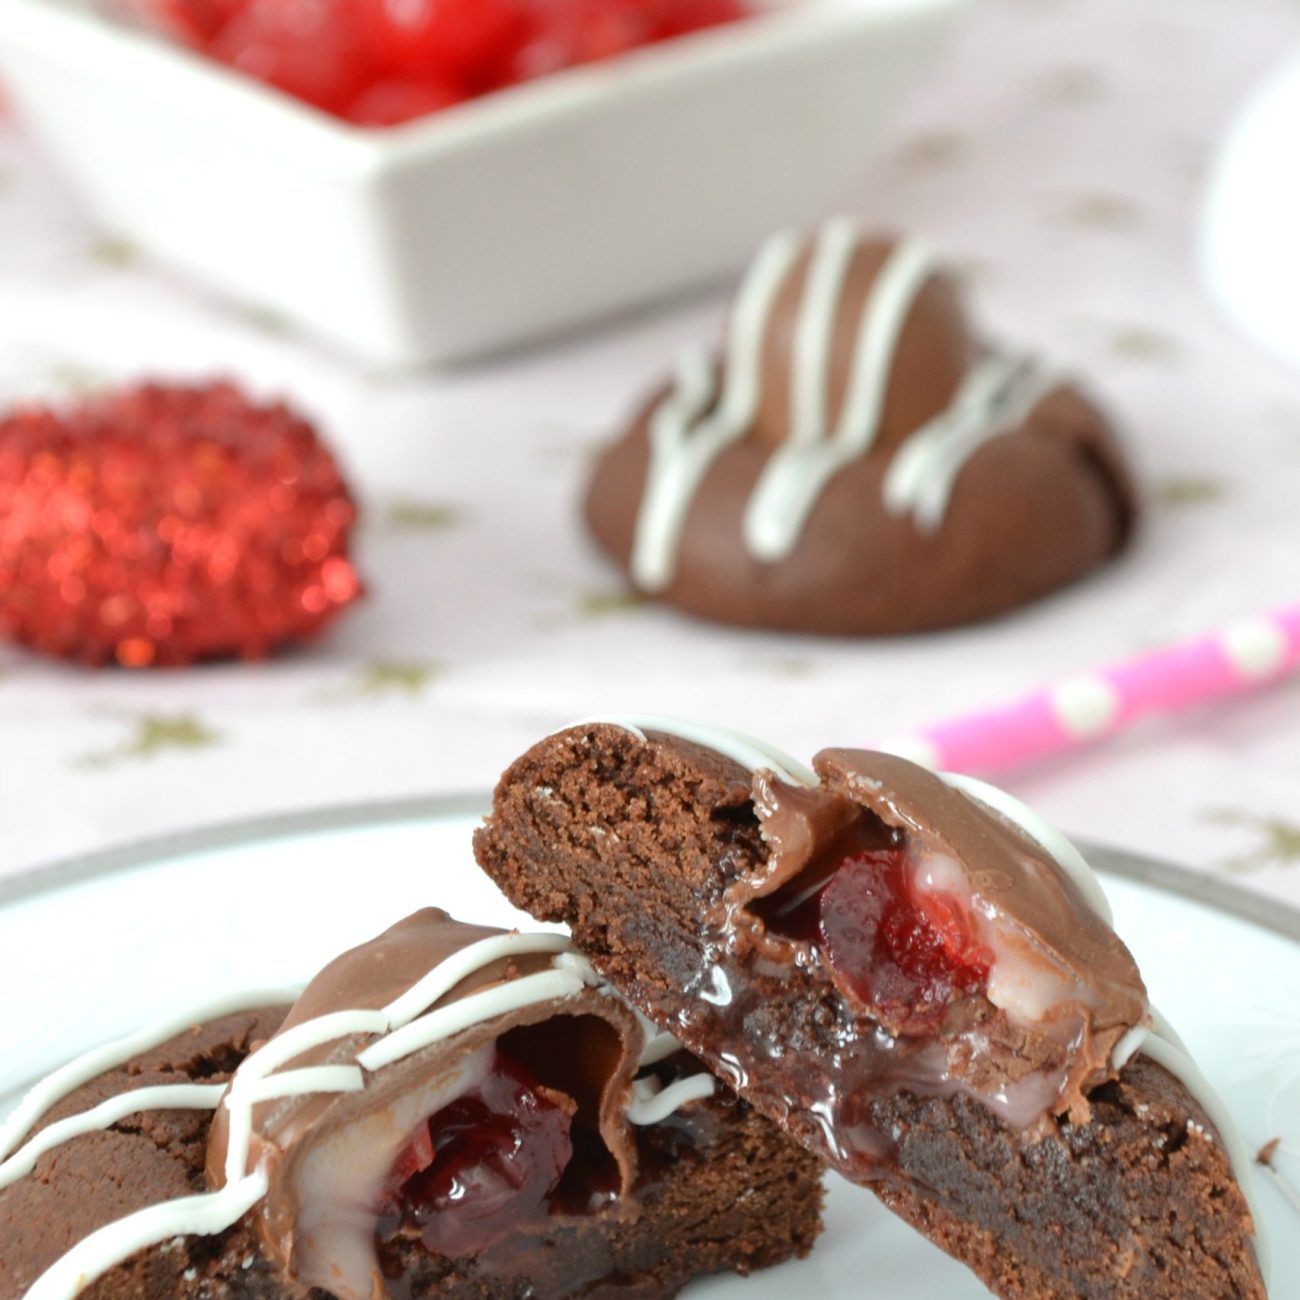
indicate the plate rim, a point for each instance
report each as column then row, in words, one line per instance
column 1263, row 910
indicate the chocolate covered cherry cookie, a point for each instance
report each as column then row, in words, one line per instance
column 856, row 460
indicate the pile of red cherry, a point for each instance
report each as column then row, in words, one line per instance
column 381, row 62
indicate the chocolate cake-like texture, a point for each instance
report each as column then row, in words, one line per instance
column 856, row 461
column 523, row 1138
column 913, row 975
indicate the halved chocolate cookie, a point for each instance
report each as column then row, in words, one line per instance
column 857, row 461
column 446, row 1111
column 914, row 975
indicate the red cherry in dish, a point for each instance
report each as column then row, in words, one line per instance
column 195, row 21
column 313, row 49
column 482, row 1166
column 469, row 42
column 678, row 17
column 907, row 952
column 381, row 62
column 397, row 100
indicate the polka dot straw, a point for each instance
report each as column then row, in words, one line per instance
column 1092, row 705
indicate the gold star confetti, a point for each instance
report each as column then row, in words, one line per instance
column 1176, row 493
column 1140, row 343
column 1072, row 85
column 601, row 604
column 408, row 515
column 934, row 149
column 264, row 319
column 156, row 733
column 1101, row 211
column 1278, row 846
column 113, row 251
column 784, row 666
column 72, row 377
column 383, row 678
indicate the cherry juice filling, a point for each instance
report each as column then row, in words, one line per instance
column 904, row 951
column 522, row 1147
column 484, row 1166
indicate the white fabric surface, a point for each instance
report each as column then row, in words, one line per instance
column 1058, row 153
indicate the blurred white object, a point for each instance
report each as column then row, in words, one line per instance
column 494, row 222
column 1250, row 238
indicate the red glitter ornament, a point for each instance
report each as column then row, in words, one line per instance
column 164, row 525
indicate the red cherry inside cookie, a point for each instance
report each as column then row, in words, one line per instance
column 484, row 1165
column 907, row 952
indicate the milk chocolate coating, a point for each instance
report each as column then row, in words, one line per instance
column 1058, row 936
column 370, row 976
column 1033, row 509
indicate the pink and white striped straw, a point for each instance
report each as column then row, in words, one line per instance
column 1093, row 705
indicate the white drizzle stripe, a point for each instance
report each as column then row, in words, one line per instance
column 447, row 974
column 298, row 1083
column 659, row 1046
column 90, row 1065
column 995, row 398
column 1040, row 830
column 650, row 1107
column 172, row 1096
column 797, row 472
column 1176, row 1060
column 682, row 450
column 545, row 986
column 93, row 1256
column 749, row 753
column 814, row 334
column 279, row 1051
column 897, row 286
column 583, row 969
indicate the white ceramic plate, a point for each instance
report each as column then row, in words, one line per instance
column 92, row 948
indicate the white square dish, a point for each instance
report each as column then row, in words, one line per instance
column 489, row 224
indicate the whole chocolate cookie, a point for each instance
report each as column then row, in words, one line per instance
column 857, row 461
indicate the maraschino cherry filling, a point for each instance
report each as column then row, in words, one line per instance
column 484, row 1166
column 906, row 952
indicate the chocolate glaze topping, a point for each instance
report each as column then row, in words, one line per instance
column 1070, row 988
column 306, row 1141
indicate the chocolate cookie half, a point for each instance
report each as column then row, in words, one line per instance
column 446, row 1111
column 857, row 461
column 914, row 975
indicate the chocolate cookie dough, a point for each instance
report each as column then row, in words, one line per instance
column 914, row 975
column 856, row 461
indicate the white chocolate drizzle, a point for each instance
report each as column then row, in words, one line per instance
column 651, row 1104
column 409, row 1023
column 1158, row 1040
column 798, row 471
column 48, row 1092
column 741, row 749
column 691, row 427
column 684, row 440
column 994, row 398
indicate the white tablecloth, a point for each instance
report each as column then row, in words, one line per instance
column 1058, row 152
